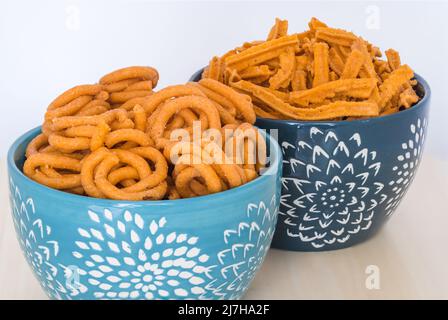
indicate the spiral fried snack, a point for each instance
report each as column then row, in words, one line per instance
column 320, row 74
column 120, row 140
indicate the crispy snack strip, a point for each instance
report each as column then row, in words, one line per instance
column 215, row 69
column 280, row 29
column 368, row 69
column 408, row 97
column 353, row 88
column 299, row 80
column 335, row 61
column 284, row 74
column 260, row 53
column 316, row 23
column 256, row 71
column 321, row 67
column 329, row 111
column 393, row 58
column 393, row 84
column 335, row 36
column 353, row 65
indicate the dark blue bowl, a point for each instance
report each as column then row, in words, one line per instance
column 342, row 180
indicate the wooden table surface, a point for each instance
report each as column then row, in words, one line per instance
column 409, row 255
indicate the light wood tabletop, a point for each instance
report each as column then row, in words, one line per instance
column 408, row 259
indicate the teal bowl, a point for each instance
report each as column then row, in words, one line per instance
column 208, row 247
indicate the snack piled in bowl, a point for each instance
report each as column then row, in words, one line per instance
column 320, row 74
column 119, row 139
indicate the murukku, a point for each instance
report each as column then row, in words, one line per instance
column 64, row 181
column 280, row 29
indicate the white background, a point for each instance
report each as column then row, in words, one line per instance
column 48, row 46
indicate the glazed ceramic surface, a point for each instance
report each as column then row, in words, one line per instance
column 202, row 248
column 343, row 180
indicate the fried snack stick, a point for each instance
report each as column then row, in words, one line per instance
column 73, row 93
column 393, row 59
column 260, row 53
column 265, row 114
column 407, row 98
column 353, row 65
column 335, row 61
column 335, row 36
column 64, row 181
column 241, row 102
column 315, row 23
column 248, row 87
column 284, row 74
column 329, row 111
column 393, row 84
column 73, row 121
column 280, row 29
column 215, row 70
column 354, row 88
column 238, row 50
column 299, row 79
column 368, row 69
column 137, row 72
column 172, row 107
column 321, row 67
column 256, row 72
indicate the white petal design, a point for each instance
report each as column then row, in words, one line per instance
column 406, row 164
column 246, row 247
column 39, row 247
column 336, row 204
column 145, row 262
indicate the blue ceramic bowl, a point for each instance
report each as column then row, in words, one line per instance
column 342, row 180
column 208, row 247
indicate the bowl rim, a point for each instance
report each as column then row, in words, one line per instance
column 414, row 108
column 69, row 197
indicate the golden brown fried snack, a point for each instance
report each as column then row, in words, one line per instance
column 323, row 55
